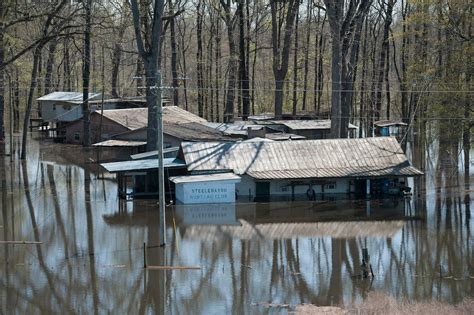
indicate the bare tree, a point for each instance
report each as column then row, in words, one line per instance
column 283, row 21
column 148, row 43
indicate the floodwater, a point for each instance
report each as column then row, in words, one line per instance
column 253, row 258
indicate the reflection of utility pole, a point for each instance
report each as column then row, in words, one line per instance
column 161, row 168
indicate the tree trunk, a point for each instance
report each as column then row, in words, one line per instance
column 281, row 45
column 306, row 54
column 66, row 66
column 174, row 55
column 363, row 92
column 243, row 74
column 200, row 60
column 116, row 57
column 48, row 78
column 2, row 71
column 86, row 132
column 383, row 59
column 232, row 64
column 29, row 105
column 295, row 68
column 148, row 45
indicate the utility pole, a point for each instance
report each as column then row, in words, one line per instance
column 161, row 168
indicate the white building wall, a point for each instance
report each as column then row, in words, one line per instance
column 246, row 187
column 283, row 187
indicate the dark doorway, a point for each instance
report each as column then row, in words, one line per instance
column 262, row 191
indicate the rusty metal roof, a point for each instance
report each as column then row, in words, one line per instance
column 136, row 118
column 334, row 158
column 194, row 131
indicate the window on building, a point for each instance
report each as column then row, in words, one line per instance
column 77, row 136
column 330, row 186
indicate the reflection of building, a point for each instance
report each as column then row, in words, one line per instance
column 308, row 168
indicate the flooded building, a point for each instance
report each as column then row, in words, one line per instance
column 57, row 104
column 310, row 129
column 390, row 128
column 130, row 125
column 308, row 169
column 249, row 130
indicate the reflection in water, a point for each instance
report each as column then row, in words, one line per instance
column 91, row 260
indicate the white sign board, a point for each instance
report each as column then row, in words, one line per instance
column 206, row 192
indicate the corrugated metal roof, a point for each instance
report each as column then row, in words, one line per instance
column 205, row 178
column 66, row 96
column 140, row 165
column 387, row 123
column 334, row 158
column 237, row 129
column 194, row 131
column 308, row 124
column 136, row 118
column 119, row 143
column 281, row 136
column 153, row 153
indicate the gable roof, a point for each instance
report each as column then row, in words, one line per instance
column 334, row 158
column 136, row 118
column 388, row 123
column 310, row 124
column 75, row 97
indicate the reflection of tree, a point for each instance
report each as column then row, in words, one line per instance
column 90, row 239
column 49, row 276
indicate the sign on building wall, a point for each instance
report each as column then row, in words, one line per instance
column 206, row 188
column 212, row 192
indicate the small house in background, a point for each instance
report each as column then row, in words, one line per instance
column 310, row 129
column 309, row 169
column 390, row 128
column 56, row 104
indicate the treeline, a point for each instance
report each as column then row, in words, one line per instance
column 349, row 60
